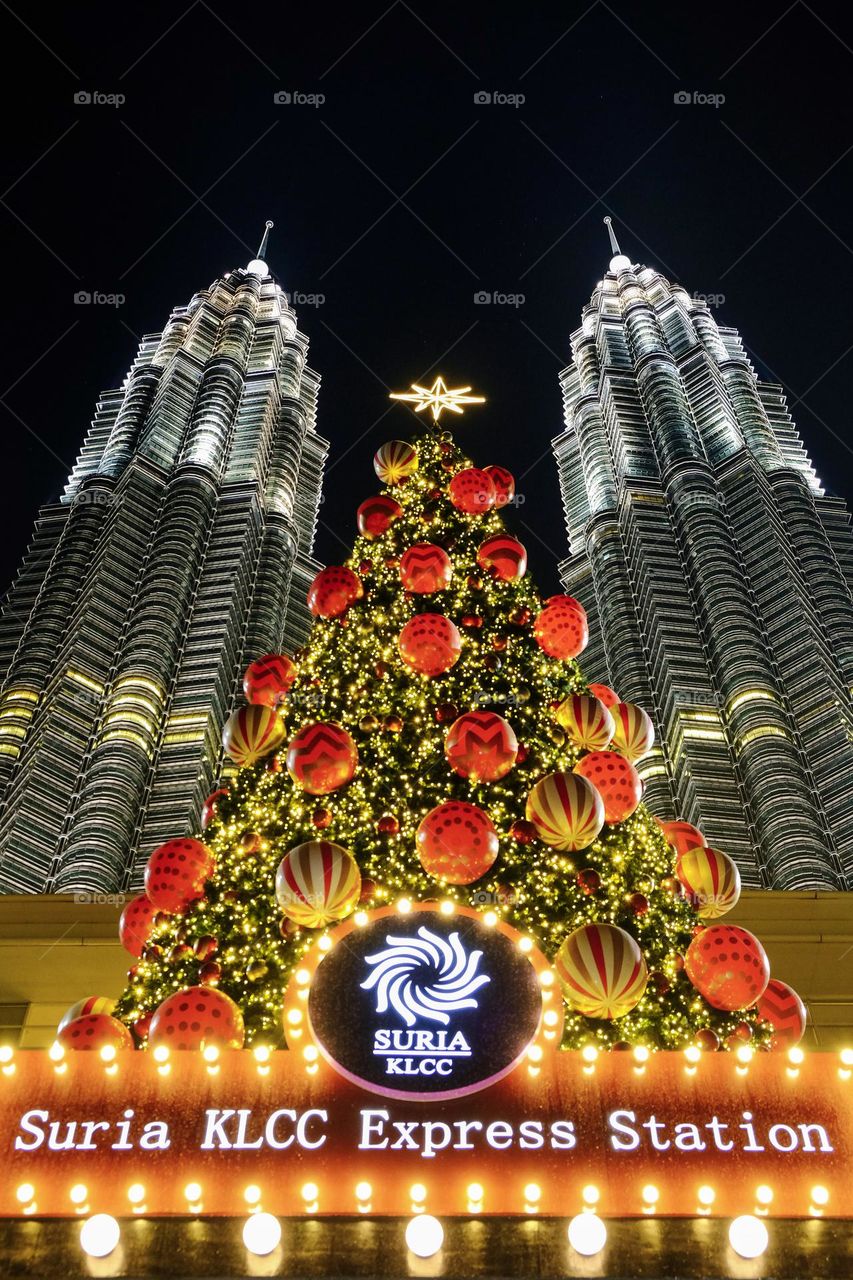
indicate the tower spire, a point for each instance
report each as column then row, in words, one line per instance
column 268, row 226
column 258, row 266
column 608, row 222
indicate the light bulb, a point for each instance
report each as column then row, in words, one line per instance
column 748, row 1236
column 99, row 1235
column 587, row 1234
column 424, row 1235
column 261, row 1233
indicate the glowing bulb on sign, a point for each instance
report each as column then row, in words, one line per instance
column 424, row 1235
column 748, row 1236
column 99, row 1235
column 261, row 1233
column 587, row 1234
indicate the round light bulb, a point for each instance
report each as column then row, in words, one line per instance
column 424, row 1235
column 587, row 1234
column 261, row 1233
column 99, row 1235
column 748, row 1236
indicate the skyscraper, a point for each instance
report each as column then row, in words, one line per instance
column 718, row 572
column 180, row 549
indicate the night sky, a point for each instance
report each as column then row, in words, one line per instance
column 400, row 197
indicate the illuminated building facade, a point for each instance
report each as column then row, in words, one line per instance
column 717, row 572
column 180, row 548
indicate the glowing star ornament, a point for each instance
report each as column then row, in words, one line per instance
column 439, row 398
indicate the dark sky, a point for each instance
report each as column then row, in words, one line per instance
column 400, row 197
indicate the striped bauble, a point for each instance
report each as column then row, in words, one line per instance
column 322, row 757
column 425, row 568
column 267, row 679
column 782, row 1008
column 251, row 733
column 503, row 556
column 395, row 461
column 711, row 879
column 682, row 835
column 85, row 1008
column 566, row 810
column 316, row 883
column 586, row 720
column 602, row 971
column 635, row 734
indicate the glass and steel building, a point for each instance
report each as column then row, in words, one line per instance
column 717, row 571
column 179, row 550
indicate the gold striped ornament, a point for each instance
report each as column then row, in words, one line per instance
column 602, row 971
column 566, row 810
column 395, row 461
column 316, row 883
column 251, row 733
column 711, row 879
column 586, row 720
column 635, row 734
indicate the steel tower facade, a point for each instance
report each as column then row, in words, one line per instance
column 180, row 549
column 718, row 574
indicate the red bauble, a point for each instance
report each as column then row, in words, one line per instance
column 267, row 680
column 605, row 694
column 561, row 629
column 588, row 879
column 682, row 836
column 425, row 568
column 446, row 712
column 506, row 557
column 639, row 904
column 210, row 808
column 457, row 842
column 210, row 973
column 136, row 924
column 616, row 781
column 376, row 515
column 520, row 617
column 430, row 644
column 206, row 946
column 392, row 724
column 142, row 1026
column 95, row 1031
column 504, row 484
column 250, row 841
column 523, row 831
column 388, row 825
column 197, row 1017
column 368, row 889
column 472, row 491
column 783, row 1009
column 321, row 758
column 728, row 966
column 176, row 872
column 333, row 590
column 321, row 818
column 481, row 746
column 473, row 621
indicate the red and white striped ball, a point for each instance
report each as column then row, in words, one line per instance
column 711, row 879
column 425, row 568
column 783, row 1009
column 430, row 644
column 728, row 966
column 602, row 971
column 616, row 781
column 251, row 733
column 195, row 1018
column 481, row 745
column 562, row 629
column 683, row 836
column 134, row 928
column 94, row 1031
column 505, row 556
column 472, row 491
column 586, row 720
column 635, row 734
column 566, row 810
column 395, row 461
column 457, row 842
column 317, row 882
column 267, row 680
column 322, row 757
column 82, row 1008
column 176, row 872
column 210, row 808
column 504, row 483
column 605, row 694
column 333, row 590
column 376, row 515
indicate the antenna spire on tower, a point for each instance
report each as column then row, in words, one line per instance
column 614, row 243
column 268, row 226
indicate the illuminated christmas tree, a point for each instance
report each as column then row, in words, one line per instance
column 436, row 740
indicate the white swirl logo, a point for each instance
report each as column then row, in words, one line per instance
column 452, row 981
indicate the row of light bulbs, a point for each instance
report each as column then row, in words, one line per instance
column 587, row 1234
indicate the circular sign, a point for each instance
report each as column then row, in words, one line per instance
column 426, row 1003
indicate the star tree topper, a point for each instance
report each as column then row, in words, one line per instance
column 439, row 397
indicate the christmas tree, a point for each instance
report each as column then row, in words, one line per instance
column 436, row 739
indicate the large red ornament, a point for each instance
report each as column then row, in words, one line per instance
column 322, row 757
column 711, row 879
column 561, row 629
column 635, row 734
column 430, row 644
column 472, row 491
column 728, row 966
column 425, row 568
column 83, row 1008
column 267, row 680
column 504, row 483
column 176, row 872
column 505, row 556
column 333, row 590
column 586, row 720
column 602, row 971
column 395, row 461
column 95, row 1031
column 210, row 808
column 195, row 1018
column 317, row 882
column 783, row 1009
column 616, row 781
column 481, row 746
column 682, row 836
column 605, row 694
column 457, row 842
column 566, row 810
column 376, row 515
column 136, row 923
column 250, row 733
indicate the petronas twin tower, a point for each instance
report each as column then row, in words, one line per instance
column 716, row 571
